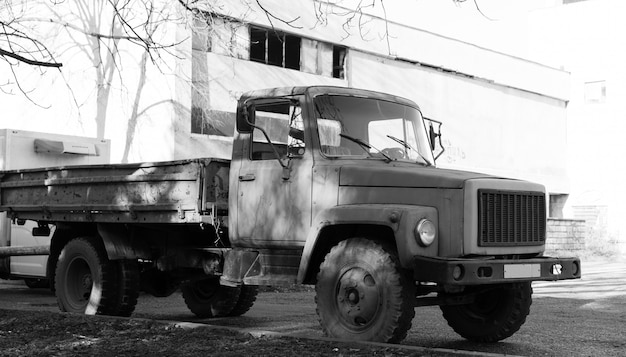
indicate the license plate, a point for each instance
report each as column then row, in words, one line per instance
column 516, row 271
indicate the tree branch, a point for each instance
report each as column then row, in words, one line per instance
column 271, row 16
column 28, row 60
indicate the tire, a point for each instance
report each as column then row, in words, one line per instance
column 129, row 286
column 85, row 279
column 207, row 298
column 35, row 283
column 362, row 293
column 247, row 297
column 496, row 314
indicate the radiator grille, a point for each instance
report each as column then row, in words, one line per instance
column 511, row 218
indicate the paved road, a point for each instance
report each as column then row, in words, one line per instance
column 584, row 317
column 600, row 280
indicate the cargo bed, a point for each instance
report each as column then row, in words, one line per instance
column 185, row 191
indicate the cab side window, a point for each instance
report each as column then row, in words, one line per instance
column 282, row 122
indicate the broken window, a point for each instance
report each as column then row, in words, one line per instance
column 275, row 48
column 258, row 39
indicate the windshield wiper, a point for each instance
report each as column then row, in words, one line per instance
column 365, row 146
column 407, row 146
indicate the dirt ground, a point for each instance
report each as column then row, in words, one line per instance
column 38, row 333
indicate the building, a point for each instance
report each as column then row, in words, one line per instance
column 502, row 114
column 594, row 54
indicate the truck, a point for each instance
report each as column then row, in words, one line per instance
column 21, row 149
column 327, row 186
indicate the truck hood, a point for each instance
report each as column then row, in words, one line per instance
column 405, row 176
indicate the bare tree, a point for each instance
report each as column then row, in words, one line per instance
column 99, row 29
column 96, row 27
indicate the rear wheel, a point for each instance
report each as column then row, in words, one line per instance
column 247, row 297
column 362, row 293
column 497, row 313
column 128, row 284
column 85, row 279
column 207, row 298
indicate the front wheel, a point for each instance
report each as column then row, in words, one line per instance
column 362, row 293
column 497, row 313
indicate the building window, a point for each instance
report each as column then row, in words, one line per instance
column 339, row 62
column 275, row 48
column 595, row 92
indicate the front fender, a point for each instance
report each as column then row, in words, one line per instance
column 401, row 219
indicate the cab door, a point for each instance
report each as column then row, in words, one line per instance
column 274, row 188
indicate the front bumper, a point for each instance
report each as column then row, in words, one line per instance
column 479, row 271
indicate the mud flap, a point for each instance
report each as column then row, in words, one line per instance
column 239, row 264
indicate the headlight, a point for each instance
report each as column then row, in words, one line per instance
column 425, row 232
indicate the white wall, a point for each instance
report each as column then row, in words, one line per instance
column 228, row 78
column 586, row 38
column 507, row 120
column 407, row 39
column 487, row 127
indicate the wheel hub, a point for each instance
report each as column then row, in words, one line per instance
column 87, row 282
column 353, row 296
column 358, row 298
column 79, row 282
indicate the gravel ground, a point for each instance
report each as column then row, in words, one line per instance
column 38, row 333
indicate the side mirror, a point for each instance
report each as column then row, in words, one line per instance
column 434, row 135
column 245, row 119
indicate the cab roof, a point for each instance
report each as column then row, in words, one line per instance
column 321, row 90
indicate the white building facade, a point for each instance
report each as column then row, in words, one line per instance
column 502, row 114
column 594, row 54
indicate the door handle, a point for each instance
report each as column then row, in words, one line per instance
column 247, row 177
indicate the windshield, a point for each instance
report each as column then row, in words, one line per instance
column 389, row 130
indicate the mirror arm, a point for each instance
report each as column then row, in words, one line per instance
column 269, row 141
column 286, row 167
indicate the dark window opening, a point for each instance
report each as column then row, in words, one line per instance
column 292, row 52
column 275, row 48
column 339, row 62
column 258, row 39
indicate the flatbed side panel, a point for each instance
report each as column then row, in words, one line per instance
column 163, row 192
